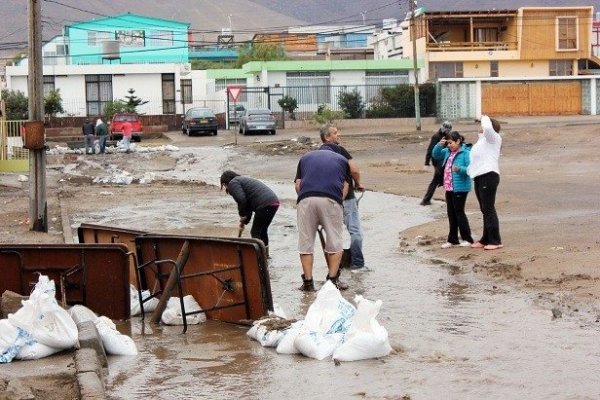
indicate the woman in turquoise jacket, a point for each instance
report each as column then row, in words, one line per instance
column 454, row 154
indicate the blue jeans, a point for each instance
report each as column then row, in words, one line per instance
column 352, row 222
column 103, row 144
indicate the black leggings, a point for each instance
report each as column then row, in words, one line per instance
column 262, row 219
column 486, row 186
column 457, row 219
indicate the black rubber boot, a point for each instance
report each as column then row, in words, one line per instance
column 336, row 281
column 308, row 285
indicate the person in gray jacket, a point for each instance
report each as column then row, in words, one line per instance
column 252, row 196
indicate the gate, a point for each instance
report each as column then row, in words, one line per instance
column 249, row 97
column 13, row 157
column 531, row 98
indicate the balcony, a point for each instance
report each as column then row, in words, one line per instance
column 470, row 46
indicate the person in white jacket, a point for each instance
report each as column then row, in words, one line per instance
column 485, row 171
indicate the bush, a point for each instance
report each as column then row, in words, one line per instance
column 352, row 104
column 53, row 103
column 324, row 115
column 399, row 102
column 113, row 107
column 17, row 106
column 289, row 104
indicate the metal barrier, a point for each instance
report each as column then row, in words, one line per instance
column 13, row 157
column 227, row 277
column 95, row 275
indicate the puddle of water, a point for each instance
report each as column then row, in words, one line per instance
column 456, row 336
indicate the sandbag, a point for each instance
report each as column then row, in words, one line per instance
column 113, row 341
column 365, row 338
column 44, row 319
column 134, row 300
column 269, row 331
column 286, row 343
column 81, row 313
column 327, row 320
column 174, row 316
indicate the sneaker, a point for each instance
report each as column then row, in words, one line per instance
column 447, row 245
column 425, row 203
column 477, row 245
column 357, row 270
column 464, row 243
column 308, row 285
column 493, row 247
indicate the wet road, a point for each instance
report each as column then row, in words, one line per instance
column 456, row 337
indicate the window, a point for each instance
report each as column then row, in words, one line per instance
column 98, row 92
column 486, row 35
column 50, row 58
column 186, row 91
column 493, row 68
column 561, row 67
column 309, row 87
column 62, row 49
column 161, row 38
column 221, row 84
column 48, row 84
column 96, row 38
column 445, row 70
column 566, row 33
column 168, row 93
column 376, row 80
column 131, row 38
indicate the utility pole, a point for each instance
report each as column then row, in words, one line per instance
column 38, row 207
column 413, row 34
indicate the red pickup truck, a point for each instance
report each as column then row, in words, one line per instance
column 116, row 126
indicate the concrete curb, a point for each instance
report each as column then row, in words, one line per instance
column 90, row 361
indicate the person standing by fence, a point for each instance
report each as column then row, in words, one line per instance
column 102, row 133
column 88, row 136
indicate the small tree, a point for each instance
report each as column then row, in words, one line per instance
column 352, row 104
column 113, row 107
column 289, row 104
column 132, row 101
column 17, row 106
column 53, row 103
column 325, row 115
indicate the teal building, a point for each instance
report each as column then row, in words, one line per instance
column 128, row 39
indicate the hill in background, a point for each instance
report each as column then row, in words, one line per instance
column 208, row 17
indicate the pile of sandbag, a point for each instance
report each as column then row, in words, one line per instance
column 332, row 327
column 41, row 327
column 113, row 341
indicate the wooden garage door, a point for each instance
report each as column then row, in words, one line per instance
column 535, row 98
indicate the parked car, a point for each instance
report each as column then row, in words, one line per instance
column 199, row 119
column 235, row 113
column 116, row 126
column 258, row 120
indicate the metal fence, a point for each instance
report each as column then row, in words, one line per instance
column 11, row 142
column 310, row 98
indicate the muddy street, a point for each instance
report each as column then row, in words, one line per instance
column 463, row 324
column 454, row 336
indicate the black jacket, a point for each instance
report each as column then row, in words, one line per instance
column 88, row 128
column 435, row 139
column 250, row 195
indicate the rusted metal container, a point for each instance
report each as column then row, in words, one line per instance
column 95, row 275
column 228, row 278
column 34, row 135
column 90, row 233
